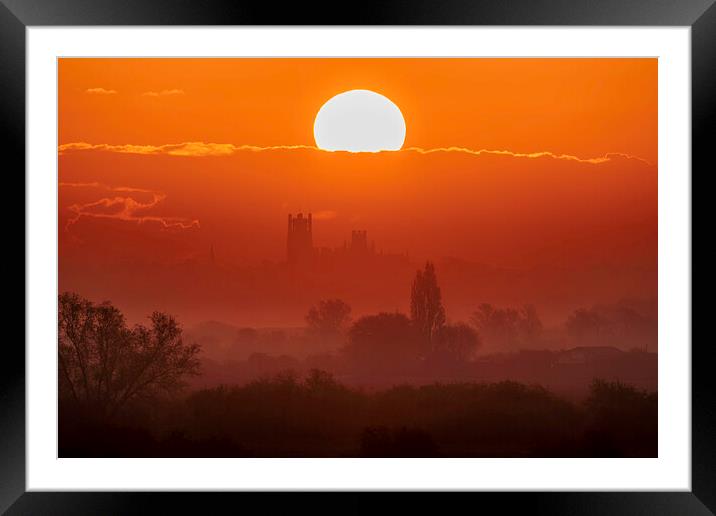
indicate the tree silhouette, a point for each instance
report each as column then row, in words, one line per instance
column 322, row 382
column 331, row 317
column 619, row 324
column 455, row 343
column 382, row 342
column 586, row 323
column 507, row 328
column 426, row 309
column 530, row 323
column 498, row 325
column 104, row 365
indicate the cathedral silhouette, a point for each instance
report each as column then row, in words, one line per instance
column 300, row 248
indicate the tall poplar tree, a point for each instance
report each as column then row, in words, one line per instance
column 426, row 308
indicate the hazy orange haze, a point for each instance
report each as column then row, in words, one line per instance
column 161, row 159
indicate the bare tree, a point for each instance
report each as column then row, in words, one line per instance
column 507, row 328
column 426, row 308
column 104, row 365
column 330, row 317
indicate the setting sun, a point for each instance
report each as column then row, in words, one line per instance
column 257, row 258
column 359, row 121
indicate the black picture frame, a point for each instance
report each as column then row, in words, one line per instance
column 17, row 15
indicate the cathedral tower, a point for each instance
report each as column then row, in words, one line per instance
column 299, row 247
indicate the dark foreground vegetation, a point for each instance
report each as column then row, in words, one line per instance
column 409, row 386
column 315, row 416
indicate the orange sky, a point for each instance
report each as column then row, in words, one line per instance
column 124, row 125
column 585, row 107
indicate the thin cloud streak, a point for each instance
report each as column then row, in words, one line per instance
column 202, row 149
column 532, row 155
column 194, row 149
column 163, row 93
column 100, row 91
column 124, row 207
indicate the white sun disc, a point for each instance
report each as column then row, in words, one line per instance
column 359, row 121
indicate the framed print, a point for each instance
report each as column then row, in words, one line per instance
column 443, row 250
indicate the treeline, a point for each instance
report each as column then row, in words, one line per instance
column 426, row 334
column 122, row 391
column 567, row 373
column 394, row 342
column 315, row 416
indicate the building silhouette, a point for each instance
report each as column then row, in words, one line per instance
column 357, row 252
column 299, row 247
